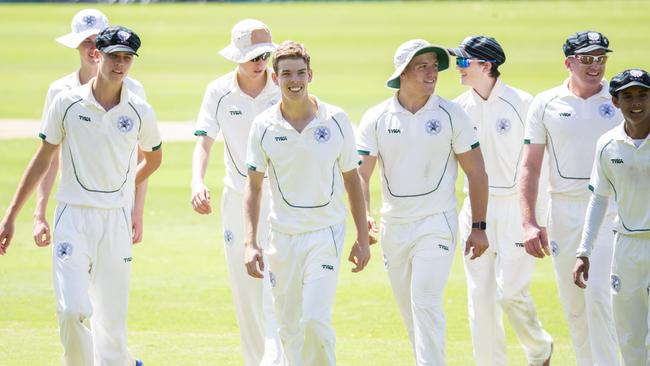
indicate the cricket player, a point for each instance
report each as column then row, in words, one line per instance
column 307, row 149
column 84, row 28
column 419, row 138
column 622, row 169
column 567, row 121
column 498, row 281
column 99, row 126
column 229, row 106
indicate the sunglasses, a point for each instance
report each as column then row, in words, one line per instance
column 464, row 63
column 263, row 57
column 590, row 59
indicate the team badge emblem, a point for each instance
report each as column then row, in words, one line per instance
column 606, row 110
column 124, row 124
column 616, row 283
column 123, row 36
column 63, row 250
column 593, row 36
column 89, row 20
column 228, row 237
column 555, row 249
column 433, row 127
column 322, row 134
column 503, row 126
column 271, row 279
column 636, row 73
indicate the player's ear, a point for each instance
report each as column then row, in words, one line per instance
column 274, row 77
column 615, row 101
column 310, row 73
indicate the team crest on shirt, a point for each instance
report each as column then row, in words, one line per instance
column 271, row 279
column 89, row 20
column 322, row 134
column 125, row 124
column 503, row 126
column 228, row 237
column 63, row 250
column 433, row 127
column 616, row 283
column 606, row 110
column 555, row 249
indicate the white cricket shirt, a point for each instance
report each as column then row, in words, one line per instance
column 416, row 153
column 622, row 169
column 304, row 168
column 570, row 126
column 499, row 123
column 99, row 147
column 227, row 109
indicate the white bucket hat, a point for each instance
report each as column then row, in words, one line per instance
column 407, row 51
column 250, row 38
column 85, row 23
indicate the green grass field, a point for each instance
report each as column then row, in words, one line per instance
column 181, row 312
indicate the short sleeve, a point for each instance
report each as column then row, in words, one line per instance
column 535, row 132
column 207, row 123
column 367, row 136
column 149, row 136
column 348, row 159
column 256, row 159
column 52, row 129
column 599, row 183
column 464, row 138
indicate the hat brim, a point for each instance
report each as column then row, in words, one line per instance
column 73, row 40
column 631, row 84
column 593, row 47
column 459, row 52
column 393, row 81
column 236, row 55
column 119, row 48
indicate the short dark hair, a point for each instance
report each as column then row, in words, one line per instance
column 494, row 70
column 290, row 50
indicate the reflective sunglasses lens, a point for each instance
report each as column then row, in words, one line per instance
column 265, row 56
column 462, row 62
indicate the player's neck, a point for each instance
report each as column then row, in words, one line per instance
column 106, row 93
column 251, row 87
column 299, row 112
column 412, row 102
column 584, row 91
column 637, row 131
column 484, row 87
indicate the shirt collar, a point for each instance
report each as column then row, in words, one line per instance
column 87, row 94
column 322, row 115
column 497, row 91
column 431, row 104
column 602, row 94
column 619, row 134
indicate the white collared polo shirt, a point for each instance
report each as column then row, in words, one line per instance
column 227, row 109
column 499, row 123
column 304, row 168
column 622, row 169
column 570, row 126
column 98, row 148
column 417, row 155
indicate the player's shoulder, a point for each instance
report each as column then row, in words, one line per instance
column 544, row 97
column 609, row 136
column 332, row 111
column 516, row 95
column 138, row 103
column 450, row 106
column 464, row 99
column 222, row 85
column 378, row 110
column 67, row 82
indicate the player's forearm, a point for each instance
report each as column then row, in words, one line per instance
column 45, row 188
column 32, row 176
column 200, row 159
column 365, row 172
column 148, row 165
column 354, row 189
column 478, row 194
column 528, row 186
column 594, row 217
column 252, row 201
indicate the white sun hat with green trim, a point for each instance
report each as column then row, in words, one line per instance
column 407, row 51
column 86, row 23
column 249, row 39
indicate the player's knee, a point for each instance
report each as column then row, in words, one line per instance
column 510, row 300
column 72, row 315
column 316, row 328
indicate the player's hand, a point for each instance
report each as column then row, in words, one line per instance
column 359, row 256
column 42, row 236
column 476, row 244
column 372, row 229
column 137, row 226
column 253, row 260
column 580, row 271
column 201, row 199
column 536, row 241
column 6, row 233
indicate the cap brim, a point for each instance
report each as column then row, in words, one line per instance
column 234, row 54
column 593, row 47
column 119, row 48
column 73, row 40
column 443, row 63
column 631, row 84
column 459, row 52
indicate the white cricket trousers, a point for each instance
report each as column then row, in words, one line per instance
column 588, row 311
column 498, row 282
column 304, row 272
column 258, row 329
column 91, row 266
column 418, row 257
column 630, row 282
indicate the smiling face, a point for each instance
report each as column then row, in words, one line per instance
column 474, row 73
column 114, row 67
column 292, row 76
column 585, row 76
column 634, row 103
column 421, row 74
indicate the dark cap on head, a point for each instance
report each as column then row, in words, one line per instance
column 480, row 47
column 628, row 78
column 117, row 39
column 585, row 41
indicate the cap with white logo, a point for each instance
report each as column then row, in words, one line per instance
column 250, row 38
column 85, row 23
column 585, row 41
column 407, row 51
column 118, row 39
column 629, row 78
